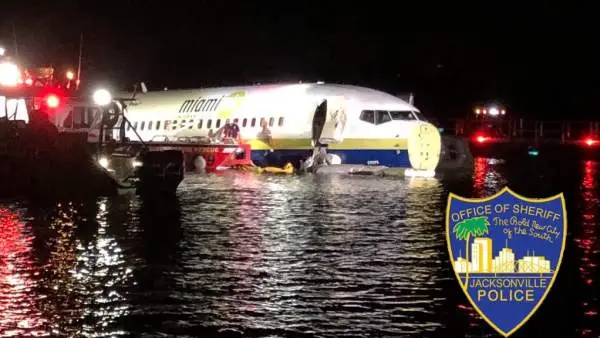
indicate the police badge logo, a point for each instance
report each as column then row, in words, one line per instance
column 506, row 252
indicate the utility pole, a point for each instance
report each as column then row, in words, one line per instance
column 15, row 40
column 79, row 62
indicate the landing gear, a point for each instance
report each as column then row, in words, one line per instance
column 319, row 158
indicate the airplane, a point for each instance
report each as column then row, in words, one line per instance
column 285, row 122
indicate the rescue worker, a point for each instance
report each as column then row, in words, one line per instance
column 230, row 131
column 235, row 131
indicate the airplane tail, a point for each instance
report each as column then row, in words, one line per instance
column 135, row 89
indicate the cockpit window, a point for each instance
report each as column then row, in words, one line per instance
column 419, row 116
column 402, row 115
column 382, row 116
column 368, row 116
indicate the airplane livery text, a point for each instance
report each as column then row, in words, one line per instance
column 199, row 105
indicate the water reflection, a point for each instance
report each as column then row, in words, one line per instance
column 294, row 255
column 19, row 313
column 84, row 271
column 256, row 255
column 156, row 234
column 487, row 176
column 246, row 238
column 587, row 241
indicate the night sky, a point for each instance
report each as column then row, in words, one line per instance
column 538, row 60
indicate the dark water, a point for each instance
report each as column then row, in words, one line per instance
column 249, row 255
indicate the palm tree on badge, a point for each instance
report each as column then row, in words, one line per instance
column 464, row 230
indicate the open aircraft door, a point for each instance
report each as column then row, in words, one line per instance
column 329, row 121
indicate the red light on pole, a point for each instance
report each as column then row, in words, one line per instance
column 590, row 141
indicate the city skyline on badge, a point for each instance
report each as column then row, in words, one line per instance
column 506, row 251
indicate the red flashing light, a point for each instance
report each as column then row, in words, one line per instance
column 29, row 81
column 52, row 101
column 480, row 137
column 50, row 97
column 590, row 141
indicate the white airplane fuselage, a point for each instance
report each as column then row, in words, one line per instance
column 370, row 126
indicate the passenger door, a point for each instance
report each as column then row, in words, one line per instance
column 329, row 121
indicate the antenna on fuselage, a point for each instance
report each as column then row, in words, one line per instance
column 409, row 98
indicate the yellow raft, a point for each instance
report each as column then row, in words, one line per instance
column 287, row 169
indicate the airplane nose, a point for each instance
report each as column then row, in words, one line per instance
column 424, row 146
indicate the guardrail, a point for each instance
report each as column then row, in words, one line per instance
column 526, row 130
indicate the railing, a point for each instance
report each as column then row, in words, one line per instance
column 516, row 130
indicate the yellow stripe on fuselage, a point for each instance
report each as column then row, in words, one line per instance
column 347, row 144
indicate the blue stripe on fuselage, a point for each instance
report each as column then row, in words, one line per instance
column 386, row 157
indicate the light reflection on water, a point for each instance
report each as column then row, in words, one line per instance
column 19, row 314
column 313, row 254
column 256, row 255
column 587, row 241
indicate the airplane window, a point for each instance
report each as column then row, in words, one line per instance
column 367, row 116
column 157, row 125
column 135, row 125
column 271, row 121
column 174, row 124
column 142, row 125
column 382, row 116
column 235, row 121
column 262, row 122
column 191, row 123
column 253, row 123
column 281, row 121
column 208, row 123
column 418, row 116
column 149, row 125
column 128, row 127
column 200, row 124
column 167, row 123
column 218, row 124
column 402, row 115
column 244, row 122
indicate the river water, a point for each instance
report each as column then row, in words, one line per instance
column 265, row 256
